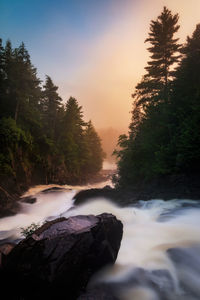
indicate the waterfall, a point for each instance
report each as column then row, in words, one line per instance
column 159, row 257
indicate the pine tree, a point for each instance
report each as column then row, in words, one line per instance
column 149, row 130
column 73, row 143
column 8, row 100
column 95, row 153
column 2, row 80
column 185, row 106
column 51, row 104
column 28, row 91
column 164, row 50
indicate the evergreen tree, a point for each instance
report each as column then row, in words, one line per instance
column 2, row 77
column 185, row 107
column 149, row 129
column 166, row 139
column 28, row 91
column 51, row 104
column 164, row 50
column 41, row 140
column 8, row 83
column 95, row 151
column 73, row 143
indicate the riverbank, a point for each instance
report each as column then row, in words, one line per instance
column 12, row 190
column 160, row 238
column 166, row 188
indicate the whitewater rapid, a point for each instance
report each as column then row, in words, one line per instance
column 159, row 257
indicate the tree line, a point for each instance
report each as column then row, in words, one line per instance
column 164, row 133
column 42, row 139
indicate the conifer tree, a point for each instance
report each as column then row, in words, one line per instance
column 95, row 151
column 51, row 103
column 40, row 138
column 149, row 130
column 28, row 91
column 73, row 143
column 185, row 106
column 2, row 80
column 164, row 53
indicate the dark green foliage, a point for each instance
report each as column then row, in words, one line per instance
column 29, row 230
column 164, row 136
column 51, row 102
column 94, row 149
column 39, row 136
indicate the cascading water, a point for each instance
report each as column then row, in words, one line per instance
column 159, row 257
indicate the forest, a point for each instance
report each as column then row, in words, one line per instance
column 42, row 138
column 164, row 132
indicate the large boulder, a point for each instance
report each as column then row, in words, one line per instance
column 60, row 257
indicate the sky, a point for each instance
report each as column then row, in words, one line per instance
column 93, row 50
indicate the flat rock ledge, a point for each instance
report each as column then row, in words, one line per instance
column 58, row 259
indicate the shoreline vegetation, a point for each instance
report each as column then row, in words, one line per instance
column 42, row 138
column 164, row 137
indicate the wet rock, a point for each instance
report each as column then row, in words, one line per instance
column 8, row 201
column 53, row 189
column 29, row 199
column 120, row 196
column 60, row 257
column 100, row 293
column 5, row 249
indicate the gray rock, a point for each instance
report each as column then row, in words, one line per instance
column 60, row 257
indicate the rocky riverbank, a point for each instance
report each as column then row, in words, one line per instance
column 166, row 188
column 11, row 189
column 179, row 186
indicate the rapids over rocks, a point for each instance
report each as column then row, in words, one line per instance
column 159, row 256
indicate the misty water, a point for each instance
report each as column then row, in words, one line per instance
column 159, row 257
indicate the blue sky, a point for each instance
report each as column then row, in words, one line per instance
column 49, row 27
column 93, row 49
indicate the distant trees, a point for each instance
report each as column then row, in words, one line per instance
column 164, row 130
column 94, row 149
column 73, row 143
column 41, row 139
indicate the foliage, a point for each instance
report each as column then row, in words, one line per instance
column 164, row 136
column 39, row 135
column 26, row 231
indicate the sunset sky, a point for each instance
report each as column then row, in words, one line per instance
column 94, row 50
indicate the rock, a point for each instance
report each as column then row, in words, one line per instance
column 29, row 199
column 5, row 249
column 100, row 293
column 8, row 201
column 107, row 187
column 109, row 193
column 60, row 257
column 54, row 189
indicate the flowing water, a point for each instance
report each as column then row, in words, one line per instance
column 159, row 257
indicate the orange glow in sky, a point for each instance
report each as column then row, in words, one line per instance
column 94, row 50
column 115, row 62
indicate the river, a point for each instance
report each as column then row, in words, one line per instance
column 159, row 257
